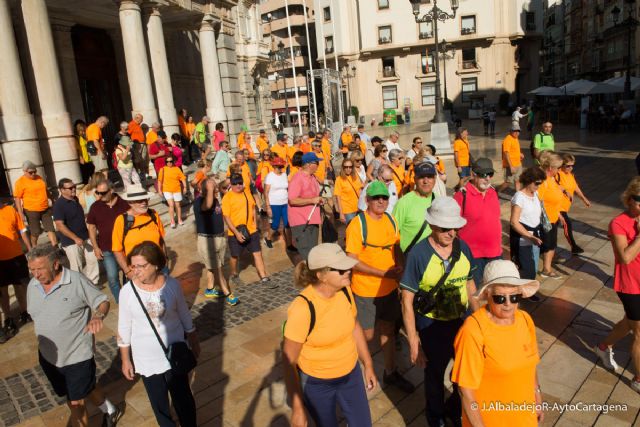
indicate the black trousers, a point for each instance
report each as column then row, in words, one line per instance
column 437, row 344
column 158, row 390
column 568, row 230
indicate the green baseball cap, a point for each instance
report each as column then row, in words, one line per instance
column 377, row 188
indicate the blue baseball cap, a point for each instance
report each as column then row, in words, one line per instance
column 310, row 157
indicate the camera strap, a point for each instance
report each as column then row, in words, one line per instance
column 455, row 256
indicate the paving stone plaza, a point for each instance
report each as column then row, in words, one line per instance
column 239, row 382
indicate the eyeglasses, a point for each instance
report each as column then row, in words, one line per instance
column 636, row 197
column 237, row 183
column 387, row 180
column 385, row 151
column 340, row 272
column 169, row 161
column 139, row 266
column 102, row 193
column 347, row 167
column 537, row 182
column 501, row 299
column 485, row 175
column 401, row 158
column 442, row 229
column 69, row 188
column 567, row 166
column 358, row 161
column 380, row 197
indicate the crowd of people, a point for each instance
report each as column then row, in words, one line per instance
column 414, row 262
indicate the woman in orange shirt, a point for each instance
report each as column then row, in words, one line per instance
column 296, row 164
column 496, row 354
column 567, row 181
column 320, row 353
column 172, row 183
column 347, row 192
column 396, row 161
column 550, row 193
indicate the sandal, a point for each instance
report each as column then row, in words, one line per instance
column 550, row 275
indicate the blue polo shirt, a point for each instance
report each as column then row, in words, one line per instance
column 70, row 212
column 425, row 268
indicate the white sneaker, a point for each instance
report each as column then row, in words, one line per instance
column 606, row 357
column 635, row 385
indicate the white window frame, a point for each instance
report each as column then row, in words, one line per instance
column 427, row 32
column 428, row 98
column 465, row 29
column 388, row 102
column 466, row 93
column 387, row 40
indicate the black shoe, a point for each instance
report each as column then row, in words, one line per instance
column 399, row 381
column 577, row 250
column 110, row 420
column 268, row 243
column 25, row 318
column 10, row 328
column 292, row 248
column 268, row 283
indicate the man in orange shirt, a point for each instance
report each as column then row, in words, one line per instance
column 511, row 159
column 152, row 135
column 373, row 239
column 281, row 147
column 32, row 203
column 345, row 139
column 263, row 141
column 305, row 145
column 297, row 146
column 13, row 266
column 95, row 143
column 182, row 124
column 135, row 130
column 326, row 148
column 462, row 156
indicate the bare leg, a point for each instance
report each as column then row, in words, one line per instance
column 634, row 325
column 287, row 236
column 4, row 303
column 52, row 238
column 171, row 214
column 222, row 282
column 547, row 258
column 618, row 332
column 79, row 416
column 257, row 258
column 34, row 239
column 209, row 279
column 233, row 264
column 21, row 296
column 178, row 212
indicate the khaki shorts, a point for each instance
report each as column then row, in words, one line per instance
column 512, row 177
column 212, row 250
column 34, row 218
column 370, row 309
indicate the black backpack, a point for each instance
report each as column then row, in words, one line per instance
column 312, row 311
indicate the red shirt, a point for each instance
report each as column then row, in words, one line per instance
column 626, row 277
column 483, row 232
column 154, row 149
column 103, row 217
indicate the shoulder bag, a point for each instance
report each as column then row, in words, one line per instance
column 179, row 355
column 243, row 228
column 425, row 301
column 544, row 218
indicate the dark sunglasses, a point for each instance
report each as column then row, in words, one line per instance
column 385, row 151
column 102, row 193
column 537, row 182
column 69, row 188
column 340, row 272
column 444, row 230
column 380, row 197
column 348, row 167
column 237, row 183
column 485, row 175
column 501, row 299
column 636, row 197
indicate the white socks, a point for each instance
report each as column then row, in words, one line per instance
column 107, row 407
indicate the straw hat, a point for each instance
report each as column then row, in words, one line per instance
column 503, row 272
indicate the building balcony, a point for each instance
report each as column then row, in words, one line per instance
column 299, row 61
column 277, row 104
column 279, row 84
column 281, row 23
column 272, row 5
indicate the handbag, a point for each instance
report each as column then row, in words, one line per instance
column 425, row 301
column 179, row 355
column 544, row 219
column 242, row 228
column 329, row 232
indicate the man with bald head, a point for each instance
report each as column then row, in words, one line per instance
column 95, row 143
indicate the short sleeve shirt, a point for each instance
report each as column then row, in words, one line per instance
column 542, row 142
column 303, row 186
column 348, row 190
column 280, row 150
column 569, row 183
column 552, row 197
column 169, row 178
column 33, row 193
column 143, row 229
column 94, row 133
column 382, row 236
column 11, row 226
column 329, row 351
column 409, row 213
column 241, row 209
column 511, row 146
column 104, row 217
column 483, row 231
column 278, row 188
column 423, row 270
column 626, row 277
column 70, row 212
column 461, row 147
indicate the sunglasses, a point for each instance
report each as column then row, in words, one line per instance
column 237, row 183
column 69, row 188
column 567, row 166
column 537, row 182
column 385, row 151
column 340, row 272
column 348, row 167
column 485, row 175
column 501, row 299
column 102, row 193
column 358, row 161
column 169, row 161
column 444, row 230
column 380, row 197
column 636, row 198
column 388, row 180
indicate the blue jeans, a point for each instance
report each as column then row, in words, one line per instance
column 478, row 265
column 322, row 395
column 113, row 273
column 529, row 257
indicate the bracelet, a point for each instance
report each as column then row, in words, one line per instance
column 98, row 315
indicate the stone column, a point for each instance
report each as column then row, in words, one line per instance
column 211, row 73
column 59, row 154
column 160, row 67
column 68, row 72
column 17, row 128
column 135, row 54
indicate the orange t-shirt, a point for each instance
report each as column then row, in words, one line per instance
column 511, row 146
column 382, row 236
column 236, row 206
column 569, row 183
column 281, row 150
column 398, row 176
column 292, row 171
column 135, row 130
column 410, row 177
column 329, row 351
column 169, row 179
column 440, row 165
column 326, row 149
column 551, row 195
column 499, row 363
column 152, row 137
column 243, row 145
column 363, row 147
column 198, row 177
column 190, row 128
column 348, row 190
column 33, row 193
column 94, row 133
column 346, row 139
column 461, row 147
column 246, row 177
column 182, row 125
column 290, row 152
column 264, row 167
column 11, row 225
column 149, row 232
column 321, row 172
column 262, row 143
column 305, row 147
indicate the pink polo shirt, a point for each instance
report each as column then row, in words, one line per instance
column 626, row 277
column 305, row 186
column 483, row 232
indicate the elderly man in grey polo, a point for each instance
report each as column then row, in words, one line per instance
column 67, row 310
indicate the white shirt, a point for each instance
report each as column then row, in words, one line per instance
column 516, row 116
column 411, row 154
column 362, row 173
column 278, row 190
column 170, row 315
column 393, row 197
column 391, row 145
column 530, row 214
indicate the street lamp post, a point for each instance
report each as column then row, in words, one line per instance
column 445, row 48
column 434, row 15
column 348, row 74
column 279, row 58
column 630, row 23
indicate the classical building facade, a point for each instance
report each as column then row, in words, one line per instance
column 65, row 60
column 387, row 59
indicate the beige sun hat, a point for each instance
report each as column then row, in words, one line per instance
column 329, row 255
column 503, row 272
column 135, row 192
